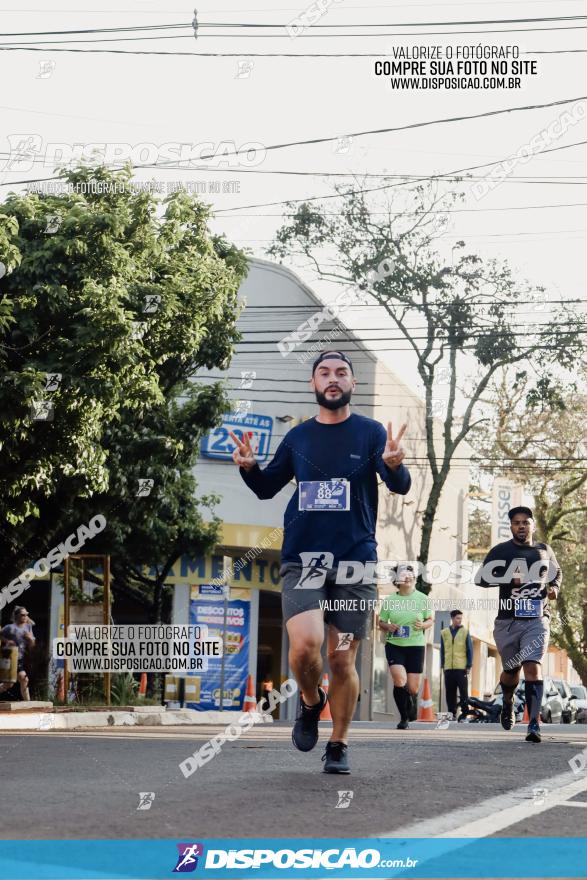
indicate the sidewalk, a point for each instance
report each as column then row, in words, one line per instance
column 41, row 716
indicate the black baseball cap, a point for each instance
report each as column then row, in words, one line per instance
column 522, row 509
column 332, row 355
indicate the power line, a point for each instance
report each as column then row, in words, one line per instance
column 244, row 54
column 312, row 308
column 142, row 27
column 185, row 165
column 339, row 25
column 317, row 36
column 582, row 326
column 441, row 212
column 369, row 339
column 555, row 52
column 413, row 125
column 438, row 176
column 371, row 350
column 483, row 235
column 540, row 20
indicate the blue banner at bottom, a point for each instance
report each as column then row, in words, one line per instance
column 270, row 858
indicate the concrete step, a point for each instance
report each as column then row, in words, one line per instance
column 26, row 706
column 50, row 721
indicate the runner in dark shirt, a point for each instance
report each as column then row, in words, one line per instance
column 523, row 572
column 331, row 517
column 528, row 575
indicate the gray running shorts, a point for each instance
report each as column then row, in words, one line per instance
column 348, row 607
column 521, row 640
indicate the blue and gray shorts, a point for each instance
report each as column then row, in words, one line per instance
column 348, row 607
column 521, row 640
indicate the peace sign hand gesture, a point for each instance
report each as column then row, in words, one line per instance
column 394, row 453
column 243, row 455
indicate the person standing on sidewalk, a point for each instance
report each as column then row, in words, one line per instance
column 528, row 575
column 336, row 458
column 456, row 659
column 19, row 633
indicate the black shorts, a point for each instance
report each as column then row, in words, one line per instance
column 348, row 607
column 411, row 657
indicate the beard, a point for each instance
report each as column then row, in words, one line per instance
column 333, row 403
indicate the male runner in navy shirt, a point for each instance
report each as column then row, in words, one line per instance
column 331, row 517
column 528, row 576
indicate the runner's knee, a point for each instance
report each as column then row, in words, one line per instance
column 532, row 671
column 398, row 675
column 341, row 662
column 305, row 648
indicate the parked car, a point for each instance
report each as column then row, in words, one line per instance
column 580, row 692
column 552, row 702
column 569, row 701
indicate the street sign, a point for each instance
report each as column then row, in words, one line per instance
column 220, row 445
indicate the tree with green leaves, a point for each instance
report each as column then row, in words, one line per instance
column 458, row 318
column 109, row 304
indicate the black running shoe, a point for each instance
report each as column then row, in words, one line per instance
column 507, row 716
column 402, row 725
column 533, row 735
column 413, row 707
column 305, row 730
column 335, row 758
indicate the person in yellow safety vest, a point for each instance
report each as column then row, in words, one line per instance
column 456, row 659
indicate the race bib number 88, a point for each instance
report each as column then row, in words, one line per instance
column 324, row 495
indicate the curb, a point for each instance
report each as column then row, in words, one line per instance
column 50, row 721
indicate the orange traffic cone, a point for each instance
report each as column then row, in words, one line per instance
column 142, row 686
column 426, row 712
column 250, row 703
column 325, row 713
column 526, row 718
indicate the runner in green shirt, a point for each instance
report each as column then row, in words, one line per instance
column 404, row 617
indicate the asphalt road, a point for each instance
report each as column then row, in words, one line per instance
column 467, row 780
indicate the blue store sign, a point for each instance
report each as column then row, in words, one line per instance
column 219, row 444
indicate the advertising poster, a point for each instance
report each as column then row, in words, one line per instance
column 236, row 659
column 293, row 440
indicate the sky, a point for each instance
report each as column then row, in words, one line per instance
column 538, row 223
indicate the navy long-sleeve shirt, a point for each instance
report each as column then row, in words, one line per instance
column 453, row 631
column 315, row 451
column 522, row 571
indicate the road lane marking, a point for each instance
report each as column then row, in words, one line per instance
column 497, row 813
